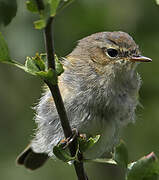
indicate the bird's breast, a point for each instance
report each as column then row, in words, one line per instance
column 113, row 105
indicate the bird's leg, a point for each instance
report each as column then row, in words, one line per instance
column 66, row 142
column 61, row 150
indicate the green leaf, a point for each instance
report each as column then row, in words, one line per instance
column 43, row 13
column 101, row 160
column 37, row 66
column 53, row 6
column 8, row 9
column 17, row 64
column 40, row 24
column 157, row 2
column 49, row 76
column 57, row 5
column 85, row 144
column 44, row 16
column 62, row 154
column 31, row 66
column 4, row 52
column 32, row 6
column 120, row 155
column 58, row 66
column 146, row 168
column 40, row 63
column 63, row 4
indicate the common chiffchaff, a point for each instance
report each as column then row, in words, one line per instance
column 99, row 88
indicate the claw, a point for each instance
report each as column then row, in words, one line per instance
column 69, row 140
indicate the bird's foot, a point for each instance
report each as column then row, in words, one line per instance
column 61, row 149
column 66, row 142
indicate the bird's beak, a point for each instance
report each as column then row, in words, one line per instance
column 140, row 59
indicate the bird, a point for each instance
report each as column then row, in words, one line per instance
column 100, row 89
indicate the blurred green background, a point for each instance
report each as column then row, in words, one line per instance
column 19, row 91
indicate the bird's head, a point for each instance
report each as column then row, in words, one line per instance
column 104, row 49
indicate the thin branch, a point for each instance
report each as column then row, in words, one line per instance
column 49, row 44
column 67, row 130
column 57, row 96
column 40, row 4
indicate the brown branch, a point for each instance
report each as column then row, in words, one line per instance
column 49, row 46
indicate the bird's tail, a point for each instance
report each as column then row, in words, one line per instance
column 30, row 159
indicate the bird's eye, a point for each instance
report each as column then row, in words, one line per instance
column 112, row 52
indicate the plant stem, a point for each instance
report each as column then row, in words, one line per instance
column 49, row 46
column 67, row 130
column 40, row 4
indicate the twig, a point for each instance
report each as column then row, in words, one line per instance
column 40, row 4
column 57, row 96
column 67, row 130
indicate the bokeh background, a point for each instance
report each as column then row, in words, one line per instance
column 19, row 91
